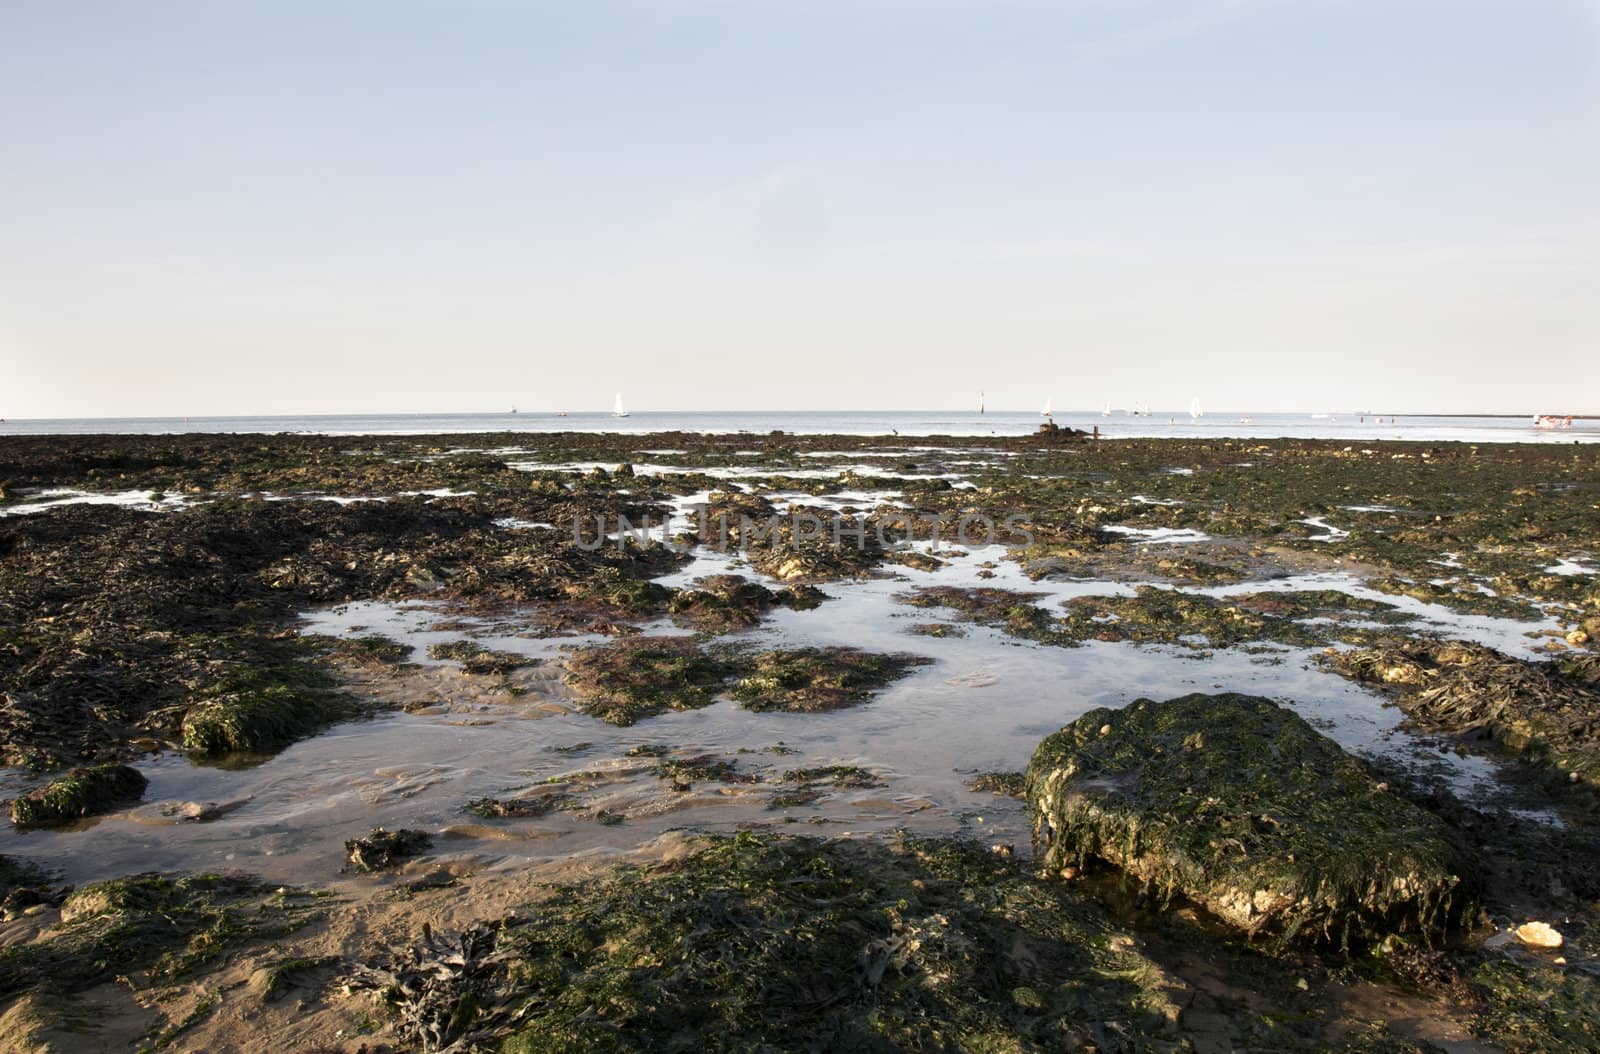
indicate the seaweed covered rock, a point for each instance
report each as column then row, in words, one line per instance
column 81, row 792
column 476, row 659
column 623, row 681
column 1241, row 806
column 729, row 602
column 771, row 943
column 799, row 544
column 1546, row 712
column 262, row 710
column 118, row 624
column 384, row 848
column 808, row 680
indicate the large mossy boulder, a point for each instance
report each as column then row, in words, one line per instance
column 1241, row 806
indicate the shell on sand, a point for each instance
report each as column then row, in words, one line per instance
column 1539, row 935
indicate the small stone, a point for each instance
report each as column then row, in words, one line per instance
column 383, row 848
column 1538, row 935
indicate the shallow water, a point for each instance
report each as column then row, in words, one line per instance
column 983, row 704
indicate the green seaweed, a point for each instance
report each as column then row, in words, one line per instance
column 814, row 679
column 476, row 659
column 1240, row 805
column 371, row 649
column 1006, row 784
column 81, row 792
column 759, row 943
column 259, row 709
column 707, row 768
column 517, row 808
column 1546, row 713
column 1528, row 1007
column 626, row 680
column 168, row 926
column 842, row 776
column 730, row 602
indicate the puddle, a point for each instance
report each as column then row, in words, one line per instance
column 1330, row 532
column 45, row 500
column 1160, row 534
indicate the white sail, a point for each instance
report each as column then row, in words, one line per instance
column 1046, row 411
column 616, row 408
column 1194, row 408
column 1107, row 411
column 980, row 400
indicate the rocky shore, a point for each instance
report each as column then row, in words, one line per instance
column 1210, row 868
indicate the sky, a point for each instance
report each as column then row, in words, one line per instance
column 223, row 207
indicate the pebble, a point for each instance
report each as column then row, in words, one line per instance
column 1538, row 935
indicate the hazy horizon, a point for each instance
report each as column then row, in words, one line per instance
column 1156, row 413
column 1325, row 206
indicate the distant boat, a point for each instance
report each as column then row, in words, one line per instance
column 980, row 400
column 513, row 411
column 1107, row 411
column 1194, row 408
column 616, row 407
column 1046, row 411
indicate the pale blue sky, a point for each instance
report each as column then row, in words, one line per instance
column 294, row 207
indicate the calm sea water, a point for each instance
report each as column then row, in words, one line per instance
column 905, row 423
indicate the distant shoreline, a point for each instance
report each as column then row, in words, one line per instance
column 906, row 424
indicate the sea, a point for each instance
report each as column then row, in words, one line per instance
column 1117, row 425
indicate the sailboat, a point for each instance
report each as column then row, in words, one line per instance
column 1107, row 411
column 980, row 400
column 1194, row 408
column 617, row 409
column 1046, row 411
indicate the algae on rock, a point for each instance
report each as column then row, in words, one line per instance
column 81, row 792
column 1240, row 805
column 815, row 679
column 1546, row 712
column 623, row 681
